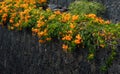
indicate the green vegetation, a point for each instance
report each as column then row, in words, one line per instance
column 82, row 7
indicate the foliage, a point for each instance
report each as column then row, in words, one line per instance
column 86, row 7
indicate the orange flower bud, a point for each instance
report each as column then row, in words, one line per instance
column 65, row 47
column 72, row 25
column 42, row 41
column 57, row 12
column 75, row 17
column 78, row 37
column 48, row 39
column 77, row 41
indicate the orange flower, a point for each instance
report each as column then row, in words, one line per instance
column 65, row 47
column 69, row 32
column 100, row 20
column 78, row 37
column 67, row 37
column 28, row 17
column 40, row 34
column 42, row 17
column 75, row 17
column 17, row 25
column 48, row 39
column 93, row 16
column 66, row 17
column 35, row 30
column 11, row 21
column 4, row 17
column 57, row 12
column 42, row 1
column 77, row 41
column 72, row 25
column 5, row 9
column 13, row 15
column 107, row 22
column 1, row 11
column 32, row 1
column 52, row 17
column 40, row 23
column 42, row 41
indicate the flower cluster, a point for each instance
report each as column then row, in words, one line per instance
column 83, row 31
column 97, row 19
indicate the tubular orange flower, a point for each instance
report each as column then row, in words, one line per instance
column 72, row 25
column 65, row 47
column 17, row 25
column 4, row 19
column 28, row 17
column 52, row 17
column 40, row 34
column 13, row 15
column 107, row 22
column 57, row 12
column 40, row 23
column 100, row 20
column 69, row 32
column 35, row 30
column 93, row 16
column 67, row 37
column 32, row 1
column 4, row 16
column 75, row 17
column 1, row 11
column 66, row 17
column 77, row 41
column 48, row 39
column 42, row 17
column 42, row 1
column 42, row 41
column 5, row 9
column 78, row 37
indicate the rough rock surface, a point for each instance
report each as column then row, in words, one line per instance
column 20, row 53
column 112, row 9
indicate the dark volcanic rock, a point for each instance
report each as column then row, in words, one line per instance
column 20, row 53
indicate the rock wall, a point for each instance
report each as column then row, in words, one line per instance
column 20, row 53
